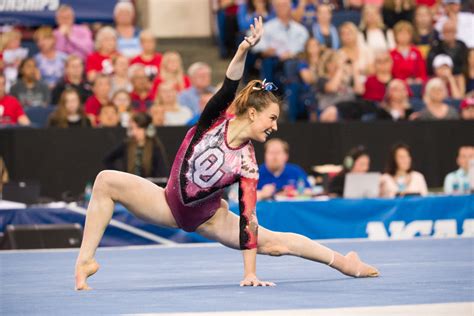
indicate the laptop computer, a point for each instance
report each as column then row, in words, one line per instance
column 362, row 185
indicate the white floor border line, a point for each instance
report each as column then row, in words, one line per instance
column 445, row 309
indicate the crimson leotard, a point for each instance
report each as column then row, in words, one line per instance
column 205, row 164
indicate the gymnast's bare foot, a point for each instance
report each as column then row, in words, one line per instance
column 85, row 269
column 351, row 265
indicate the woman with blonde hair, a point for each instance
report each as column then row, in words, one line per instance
column 172, row 71
column 373, row 32
column 436, row 109
column 355, row 51
column 175, row 113
column 100, row 61
column 70, row 112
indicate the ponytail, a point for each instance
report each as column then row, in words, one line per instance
column 257, row 94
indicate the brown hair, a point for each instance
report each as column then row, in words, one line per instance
column 44, row 31
column 392, row 165
column 403, row 26
column 59, row 117
column 253, row 95
column 284, row 144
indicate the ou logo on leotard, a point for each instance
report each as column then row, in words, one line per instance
column 207, row 167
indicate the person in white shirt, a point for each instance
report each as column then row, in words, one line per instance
column 464, row 21
column 174, row 113
column 457, row 182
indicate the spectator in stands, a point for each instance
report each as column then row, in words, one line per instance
column 119, row 79
column 450, row 46
column 395, row 11
column 354, row 50
column 425, row 34
column 395, row 105
column 410, row 63
column 71, row 38
column 436, row 109
column 357, row 160
column 50, row 61
column 202, row 104
column 304, row 12
column 282, row 41
column 339, row 81
column 12, row 56
column 324, row 31
column 128, row 40
column 308, row 72
column 149, row 57
column 141, row 153
column 11, row 111
column 175, row 113
column 141, row 96
column 276, row 173
column 375, row 84
column 69, row 112
column 200, row 75
column 457, row 182
column 73, row 78
column 29, row 89
column 373, row 32
column 227, row 26
column 171, row 70
column 464, row 21
column 399, row 178
column 123, row 102
column 100, row 61
column 469, row 71
column 443, row 69
column 157, row 114
column 251, row 9
column 467, row 107
column 99, row 98
column 109, row 116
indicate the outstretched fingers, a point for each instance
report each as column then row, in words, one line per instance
column 256, row 32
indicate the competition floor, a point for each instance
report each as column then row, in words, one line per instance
column 419, row 277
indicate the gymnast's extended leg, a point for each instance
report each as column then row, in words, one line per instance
column 224, row 228
column 143, row 198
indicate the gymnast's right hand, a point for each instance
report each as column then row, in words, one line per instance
column 252, row 280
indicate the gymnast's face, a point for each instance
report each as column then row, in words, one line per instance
column 263, row 122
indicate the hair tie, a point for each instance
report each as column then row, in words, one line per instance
column 267, row 86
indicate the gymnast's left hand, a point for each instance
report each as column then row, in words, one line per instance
column 256, row 32
column 252, row 280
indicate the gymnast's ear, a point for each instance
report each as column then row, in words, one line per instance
column 252, row 113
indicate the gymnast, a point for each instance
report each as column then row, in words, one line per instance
column 214, row 154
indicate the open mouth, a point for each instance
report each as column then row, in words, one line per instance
column 268, row 132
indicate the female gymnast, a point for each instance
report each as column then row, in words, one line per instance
column 214, row 154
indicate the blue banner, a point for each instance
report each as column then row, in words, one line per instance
column 42, row 12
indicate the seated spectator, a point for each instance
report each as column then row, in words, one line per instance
column 227, row 26
column 141, row 96
column 119, row 79
column 141, row 153
column 308, row 72
column 410, row 63
column 305, row 12
column 399, row 178
column 171, row 70
column 29, row 89
column 200, row 75
column 469, row 71
column 128, row 41
column 175, row 113
column 395, row 11
column 457, row 182
column 109, row 116
column 276, row 172
column 373, row 33
column 249, row 10
column 282, row 41
column 123, row 102
column 72, row 39
column 425, row 34
column 99, row 98
column 464, row 21
column 467, row 107
column 157, row 114
column 12, row 56
column 436, row 109
column 443, row 69
column 73, row 78
column 324, row 31
column 149, row 57
column 396, row 105
column 202, row 104
column 11, row 111
column 450, row 46
column 376, row 83
column 50, row 61
column 100, row 61
column 357, row 160
column 354, row 50
column 69, row 112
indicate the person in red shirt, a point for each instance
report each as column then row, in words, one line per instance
column 409, row 64
column 375, row 84
column 141, row 96
column 100, row 61
column 100, row 97
column 149, row 57
column 11, row 112
column 171, row 70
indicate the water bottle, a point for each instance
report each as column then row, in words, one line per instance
column 88, row 192
column 300, row 186
column 456, row 187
